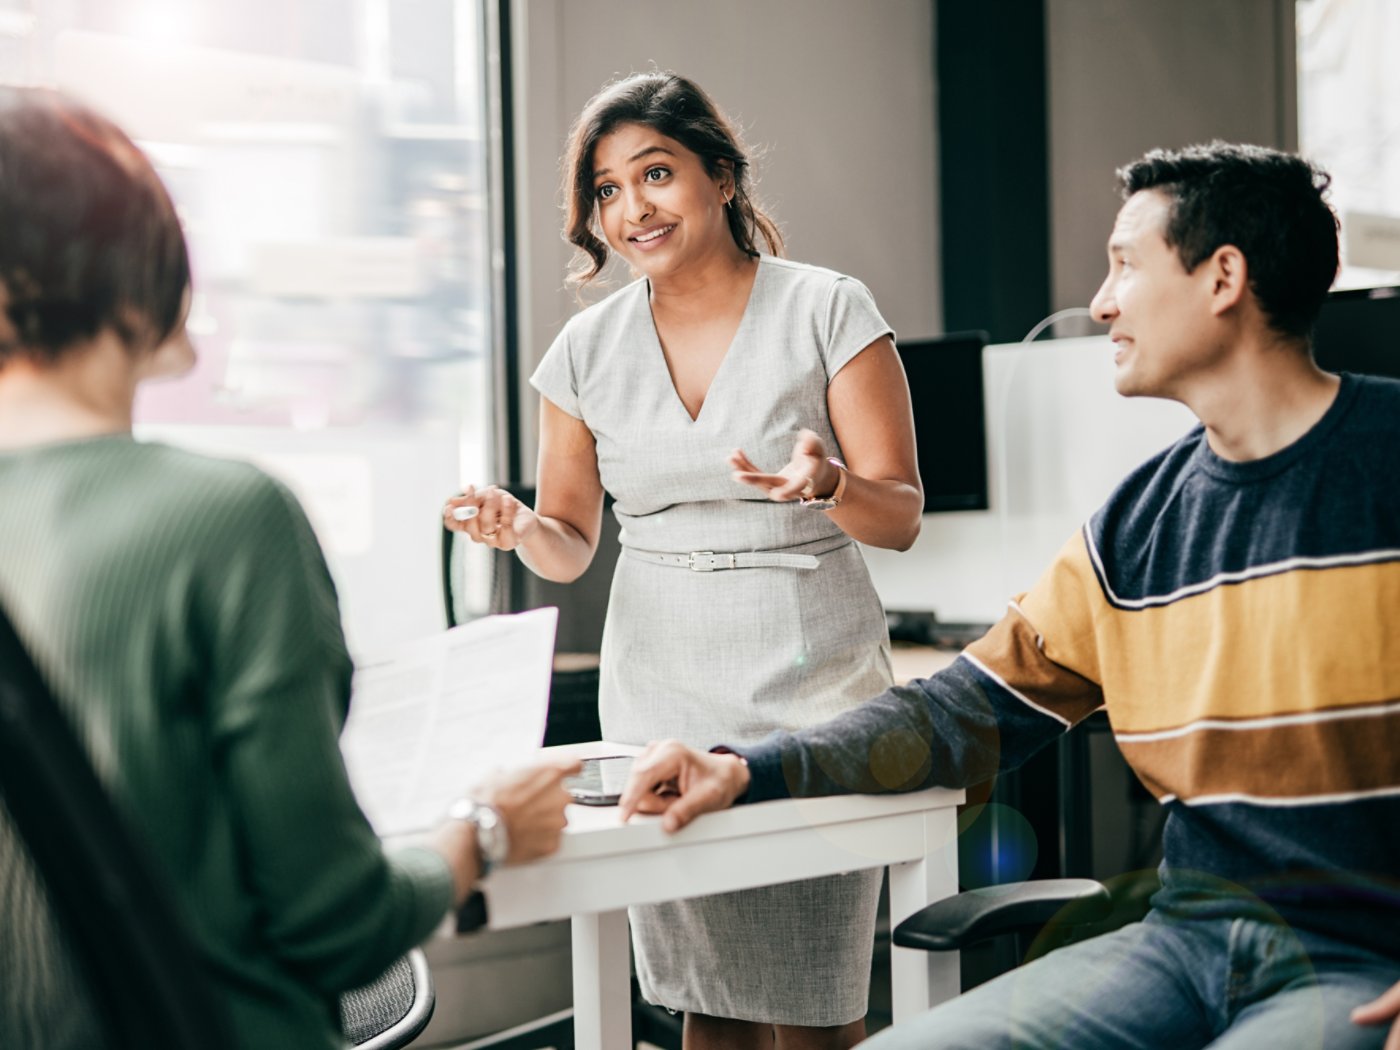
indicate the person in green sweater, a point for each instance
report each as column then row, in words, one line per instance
column 182, row 612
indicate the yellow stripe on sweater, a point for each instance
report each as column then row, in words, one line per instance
column 1233, row 652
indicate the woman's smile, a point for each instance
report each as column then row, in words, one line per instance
column 652, row 237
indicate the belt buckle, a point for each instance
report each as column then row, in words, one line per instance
column 707, row 561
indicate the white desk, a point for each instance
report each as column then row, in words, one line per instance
column 603, row 866
column 918, row 661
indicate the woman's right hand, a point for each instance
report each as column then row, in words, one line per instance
column 499, row 519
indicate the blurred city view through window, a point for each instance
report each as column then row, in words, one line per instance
column 1349, row 122
column 329, row 162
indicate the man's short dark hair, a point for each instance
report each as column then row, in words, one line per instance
column 1268, row 204
column 89, row 239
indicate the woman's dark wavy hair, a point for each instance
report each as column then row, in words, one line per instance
column 1270, row 205
column 89, row 238
column 679, row 109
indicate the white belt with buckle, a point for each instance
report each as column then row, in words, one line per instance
column 709, row 561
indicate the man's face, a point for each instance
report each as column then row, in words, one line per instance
column 1164, row 331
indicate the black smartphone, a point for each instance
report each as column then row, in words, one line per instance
column 601, row 781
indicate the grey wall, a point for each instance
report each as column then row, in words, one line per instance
column 839, row 94
column 1128, row 75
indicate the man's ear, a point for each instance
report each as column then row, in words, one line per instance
column 1228, row 273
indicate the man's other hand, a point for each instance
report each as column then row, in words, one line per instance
column 1379, row 1011
column 681, row 783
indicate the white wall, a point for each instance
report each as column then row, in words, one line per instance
column 1060, row 439
column 839, row 96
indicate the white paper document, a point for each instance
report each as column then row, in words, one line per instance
column 439, row 714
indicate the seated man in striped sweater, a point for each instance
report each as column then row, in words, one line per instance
column 1233, row 606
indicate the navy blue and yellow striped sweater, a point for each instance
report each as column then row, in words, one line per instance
column 1241, row 624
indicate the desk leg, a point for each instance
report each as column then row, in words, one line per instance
column 920, row 979
column 602, row 982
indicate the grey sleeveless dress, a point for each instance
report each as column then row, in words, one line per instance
column 731, row 655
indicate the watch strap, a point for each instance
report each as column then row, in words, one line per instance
column 837, row 494
column 472, row 914
column 492, row 840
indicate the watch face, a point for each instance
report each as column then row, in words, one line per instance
column 463, row 809
column 490, row 835
column 486, row 840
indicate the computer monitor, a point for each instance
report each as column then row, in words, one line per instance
column 950, row 424
column 1358, row 330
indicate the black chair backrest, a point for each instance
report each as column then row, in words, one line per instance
column 391, row 1010
column 109, row 898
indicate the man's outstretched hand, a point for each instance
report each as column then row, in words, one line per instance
column 681, row 783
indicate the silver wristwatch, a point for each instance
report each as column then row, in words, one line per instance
column 492, row 841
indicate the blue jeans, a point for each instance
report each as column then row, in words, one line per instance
column 1168, row 983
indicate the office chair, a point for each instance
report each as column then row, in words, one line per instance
column 1061, row 909
column 389, row 1012
column 966, row 918
column 113, row 905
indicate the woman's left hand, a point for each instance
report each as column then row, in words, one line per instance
column 806, row 474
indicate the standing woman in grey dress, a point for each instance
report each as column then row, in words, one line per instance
column 751, row 420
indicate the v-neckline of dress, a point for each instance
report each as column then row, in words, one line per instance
column 659, row 352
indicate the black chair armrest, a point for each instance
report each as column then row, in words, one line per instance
column 974, row 915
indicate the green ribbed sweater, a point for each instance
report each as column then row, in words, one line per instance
column 181, row 609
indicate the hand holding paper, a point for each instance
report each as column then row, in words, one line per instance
column 440, row 714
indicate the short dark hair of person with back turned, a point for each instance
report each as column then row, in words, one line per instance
column 89, row 238
column 679, row 109
column 1269, row 205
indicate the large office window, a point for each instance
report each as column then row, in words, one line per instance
column 329, row 160
column 1349, row 122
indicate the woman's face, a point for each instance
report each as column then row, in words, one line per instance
column 657, row 206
